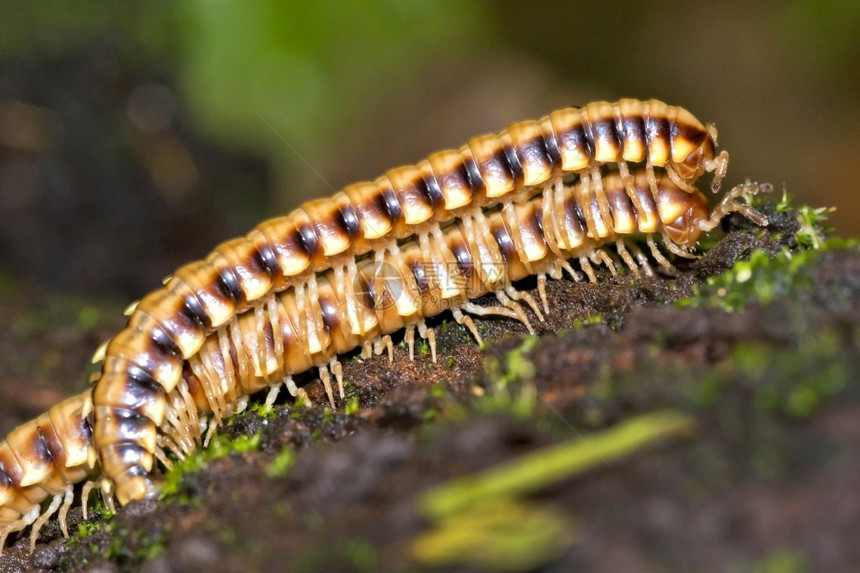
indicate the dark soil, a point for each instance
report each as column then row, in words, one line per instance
column 766, row 483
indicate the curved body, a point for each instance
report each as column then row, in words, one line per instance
column 170, row 324
column 288, row 334
column 297, row 330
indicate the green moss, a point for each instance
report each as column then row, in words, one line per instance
column 782, row 561
column 361, row 555
column 511, row 378
column 88, row 318
column 131, row 548
column 328, row 416
column 591, row 320
column 795, row 382
column 219, row 447
column 423, row 348
column 260, row 409
column 351, row 406
column 763, row 278
column 501, row 536
column 281, row 463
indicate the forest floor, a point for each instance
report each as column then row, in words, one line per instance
column 704, row 420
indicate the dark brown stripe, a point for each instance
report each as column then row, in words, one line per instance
column 657, row 128
column 461, row 252
column 473, row 175
column 330, row 313
column 688, row 132
column 308, row 239
column 349, row 220
column 503, row 239
column 5, row 480
column 430, row 187
column 266, row 259
column 604, row 129
column 572, row 212
column 416, row 266
column 513, row 163
column 577, row 137
column 194, row 310
column 552, row 151
column 38, row 448
column 164, row 342
column 633, row 129
column 228, row 284
column 391, row 204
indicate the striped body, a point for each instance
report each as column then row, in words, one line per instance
column 535, row 237
column 290, row 333
column 170, row 324
column 42, row 459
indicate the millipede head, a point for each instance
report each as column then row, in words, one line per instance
column 695, row 153
column 681, row 213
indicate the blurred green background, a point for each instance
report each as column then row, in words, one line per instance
column 134, row 136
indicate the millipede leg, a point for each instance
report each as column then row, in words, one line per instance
column 530, row 300
column 629, row 186
column 729, row 204
column 271, row 397
column 517, row 310
column 430, row 335
column 18, row 525
column 302, row 395
column 383, row 344
column 678, row 180
column 577, row 277
column 325, row 378
column 468, row 323
column 602, row 202
column 658, row 256
column 162, row 458
column 652, row 180
column 409, row 337
column 42, row 519
column 625, row 256
column 542, row 291
column 584, row 198
column 88, row 487
column 107, row 497
column 674, row 248
column 642, row 260
column 337, row 370
column 600, row 256
column 213, row 425
column 69, row 498
column 473, row 308
column 169, row 439
column 241, row 405
column 588, row 269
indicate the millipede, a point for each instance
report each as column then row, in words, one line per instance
column 170, row 324
column 526, row 200
column 280, row 336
